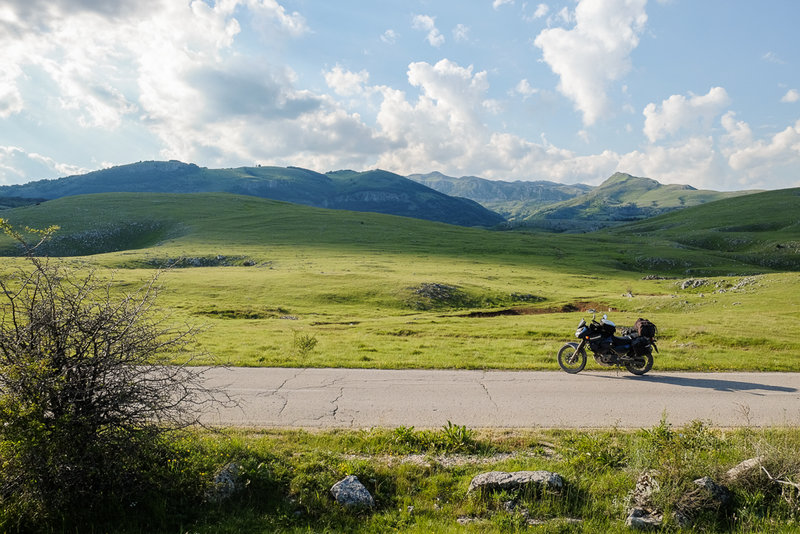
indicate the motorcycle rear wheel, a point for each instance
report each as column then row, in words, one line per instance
column 641, row 364
column 571, row 361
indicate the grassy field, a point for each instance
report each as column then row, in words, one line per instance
column 277, row 284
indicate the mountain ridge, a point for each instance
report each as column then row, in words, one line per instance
column 370, row 191
column 464, row 201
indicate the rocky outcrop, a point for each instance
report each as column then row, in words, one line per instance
column 707, row 495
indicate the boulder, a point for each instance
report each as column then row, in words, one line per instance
column 646, row 486
column 516, row 480
column 640, row 519
column 644, row 515
column 743, row 469
column 351, row 493
column 226, row 483
column 707, row 496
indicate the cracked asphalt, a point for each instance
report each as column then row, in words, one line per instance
column 365, row 398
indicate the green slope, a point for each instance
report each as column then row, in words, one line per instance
column 759, row 229
column 619, row 199
column 107, row 222
column 371, row 191
column 205, row 223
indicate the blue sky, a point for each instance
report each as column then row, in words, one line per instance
column 699, row 92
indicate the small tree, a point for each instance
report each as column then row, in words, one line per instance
column 86, row 392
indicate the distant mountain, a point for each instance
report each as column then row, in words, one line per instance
column 371, row 191
column 514, row 200
column 559, row 207
column 622, row 198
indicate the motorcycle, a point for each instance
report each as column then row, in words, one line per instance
column 634, row 351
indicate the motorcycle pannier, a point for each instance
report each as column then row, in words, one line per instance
column 645, row 328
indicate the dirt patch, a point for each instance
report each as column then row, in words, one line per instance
column 566, row 308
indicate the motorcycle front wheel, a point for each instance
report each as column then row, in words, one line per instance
column 570, row 359
column 641, row 364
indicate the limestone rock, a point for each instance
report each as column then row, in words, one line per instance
column 646, row 486
column 516, row 480
column 351, row 493
column 746, row 467
column 226, row 483
column 640, row 519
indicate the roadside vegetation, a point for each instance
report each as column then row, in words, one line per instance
column 419, row 480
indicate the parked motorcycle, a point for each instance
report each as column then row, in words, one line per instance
column 633, row 351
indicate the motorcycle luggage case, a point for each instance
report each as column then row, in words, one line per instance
column 645, row 328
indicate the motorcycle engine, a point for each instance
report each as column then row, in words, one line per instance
column 605, row 359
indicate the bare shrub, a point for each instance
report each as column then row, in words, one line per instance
column 86, row 392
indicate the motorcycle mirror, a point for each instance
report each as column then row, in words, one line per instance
column 591, row 311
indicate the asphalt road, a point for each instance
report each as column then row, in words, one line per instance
column 364, row 398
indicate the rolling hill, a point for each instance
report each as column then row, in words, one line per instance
column 760, row 229
column 558, row 207
column 743, row 234
column 621, row 198
column 370, row 191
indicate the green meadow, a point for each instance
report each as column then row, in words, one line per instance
column 278, row 284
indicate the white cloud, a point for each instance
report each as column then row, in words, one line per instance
column 541, row 11
column 772, row 57
column 693, row 161
column 791, row 96
column 346, row 83
column 497, row 3
column 269, row 12
column 461, row 33
column 525, row 89
column 389, row 36
column 17, row 165
column 679, row 113
column 594, row 53
column 10, row 96
column 775, row 158
column 428, row 24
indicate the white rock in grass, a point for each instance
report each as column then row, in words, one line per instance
column 351, row 493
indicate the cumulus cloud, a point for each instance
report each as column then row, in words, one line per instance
column 775, row 157
column 680, row 113
column 171, row 73
column 10, row 97
column 595, row 52
column 17, row 165
column 271, row 11
column 497, row 3
column 791, row 96
column 692, row 161
column 346, row 83
column 428, row 24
